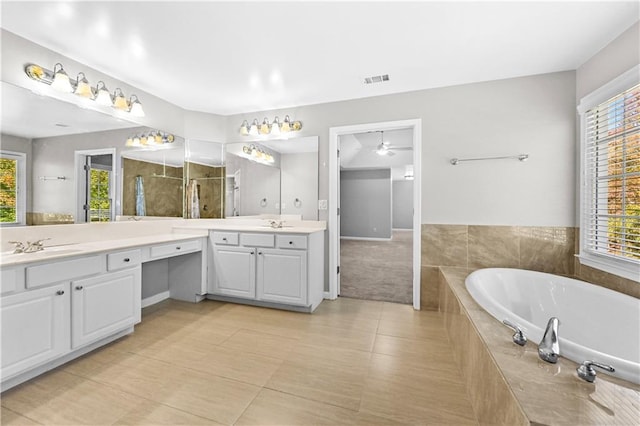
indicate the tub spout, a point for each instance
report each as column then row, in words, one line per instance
column 549, row 347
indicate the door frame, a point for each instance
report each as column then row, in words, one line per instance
column 334, row 181
column 80, row 157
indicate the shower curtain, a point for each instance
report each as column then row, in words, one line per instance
column 140, row 204
column 193, row 203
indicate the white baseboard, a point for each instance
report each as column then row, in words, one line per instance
column 365, row 239
column 156, row 298
column 327, row 295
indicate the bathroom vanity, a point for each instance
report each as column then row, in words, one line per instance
column 62, row 302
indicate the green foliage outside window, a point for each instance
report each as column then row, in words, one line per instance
column 99, row 201
column 8, row 190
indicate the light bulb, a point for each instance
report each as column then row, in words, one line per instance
column 119, row 101
column 253, row 130
column 264, row 127
column 135, row 107
column 103, row 97
column 61, row 80
column 82, row 87
column 244, row 128
column 275, row 127
column 286, row 125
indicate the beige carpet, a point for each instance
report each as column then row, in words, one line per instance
column 378, row 270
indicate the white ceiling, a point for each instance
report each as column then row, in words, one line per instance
column 236, row 57
column 358, row 151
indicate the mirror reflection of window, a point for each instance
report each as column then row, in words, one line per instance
column 12, row 191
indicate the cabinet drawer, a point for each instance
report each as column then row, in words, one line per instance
column 123, row 259
column 257, row 240
column 175, row 249
column 8, row 280
column 61, row 271
column 225, row 238
column 291, row 241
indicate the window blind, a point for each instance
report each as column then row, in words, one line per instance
column 612, row 177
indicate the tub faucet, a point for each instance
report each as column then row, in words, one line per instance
column 518, row 337
column 549, row 347
column 586, row 371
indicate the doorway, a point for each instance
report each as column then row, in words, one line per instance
column 413, row 127
column 95, row 185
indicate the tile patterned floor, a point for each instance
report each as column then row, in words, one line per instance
column 378, row 270
column 351, row 362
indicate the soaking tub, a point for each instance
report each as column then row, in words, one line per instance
column 596, row 323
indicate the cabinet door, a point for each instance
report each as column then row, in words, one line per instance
column 104, row 305
column 235, row 271
column 35, row 328
column 282, row 276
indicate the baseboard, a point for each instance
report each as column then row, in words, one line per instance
column 365, row 239
column 156, row 298
column 327, row 295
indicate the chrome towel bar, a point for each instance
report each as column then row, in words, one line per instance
column 521, row 157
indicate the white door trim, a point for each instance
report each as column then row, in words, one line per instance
column 334, row 238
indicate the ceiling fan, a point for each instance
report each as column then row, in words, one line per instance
column 385, row 147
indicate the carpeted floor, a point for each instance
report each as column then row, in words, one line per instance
column 378, row 270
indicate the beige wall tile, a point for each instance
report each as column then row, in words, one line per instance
column 429, row 288
column 494, row 247
column 444, row 245
column 547, row 249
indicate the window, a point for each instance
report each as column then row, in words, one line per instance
column 99, row 195
column 12, row 188
column 610, row 208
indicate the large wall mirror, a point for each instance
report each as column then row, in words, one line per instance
column 273, row 177
column 75, row 165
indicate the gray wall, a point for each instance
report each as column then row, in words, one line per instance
column 402, row 204
column 18, row 144
column 299, row 179
column 533, row 115
column 365, row 203
column 620, row 55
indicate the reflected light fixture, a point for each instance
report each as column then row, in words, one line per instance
column 119, row 101
column 150, row 140
column 103, row 97
column 135, row 107
column 61, row 80
column 266, row 128
column 383, row 148
column 82, row 86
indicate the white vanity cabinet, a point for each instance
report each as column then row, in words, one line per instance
column 276, row 270
column 35, row 327
column 103, row 305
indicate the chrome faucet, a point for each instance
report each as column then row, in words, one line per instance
column 549, row 347
column 586, row 371
column 19, row 246
column 35, row 246
column 518, row 337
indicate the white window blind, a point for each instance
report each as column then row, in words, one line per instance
column 611, row 206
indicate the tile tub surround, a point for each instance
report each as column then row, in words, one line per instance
column 509, row 384
column 544, row 249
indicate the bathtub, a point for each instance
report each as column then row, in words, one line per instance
column 595, row 323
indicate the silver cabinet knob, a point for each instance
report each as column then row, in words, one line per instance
column 126, row 259
column 79, row 287
column 178, row 248
column 60, row 292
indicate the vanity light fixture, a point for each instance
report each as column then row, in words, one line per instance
column 244, row 128
column 267, row 128
column 253, row 130
column 152, row 139
column 82, row 86
column 59, row 80
column 119, row 101
column 103, row 97
column 135, row 107
column 257, row 154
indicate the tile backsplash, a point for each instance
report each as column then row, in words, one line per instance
column 544, row 249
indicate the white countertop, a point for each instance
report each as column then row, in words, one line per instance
column 177, row 231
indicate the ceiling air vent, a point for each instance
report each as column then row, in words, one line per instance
column 376, row 79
